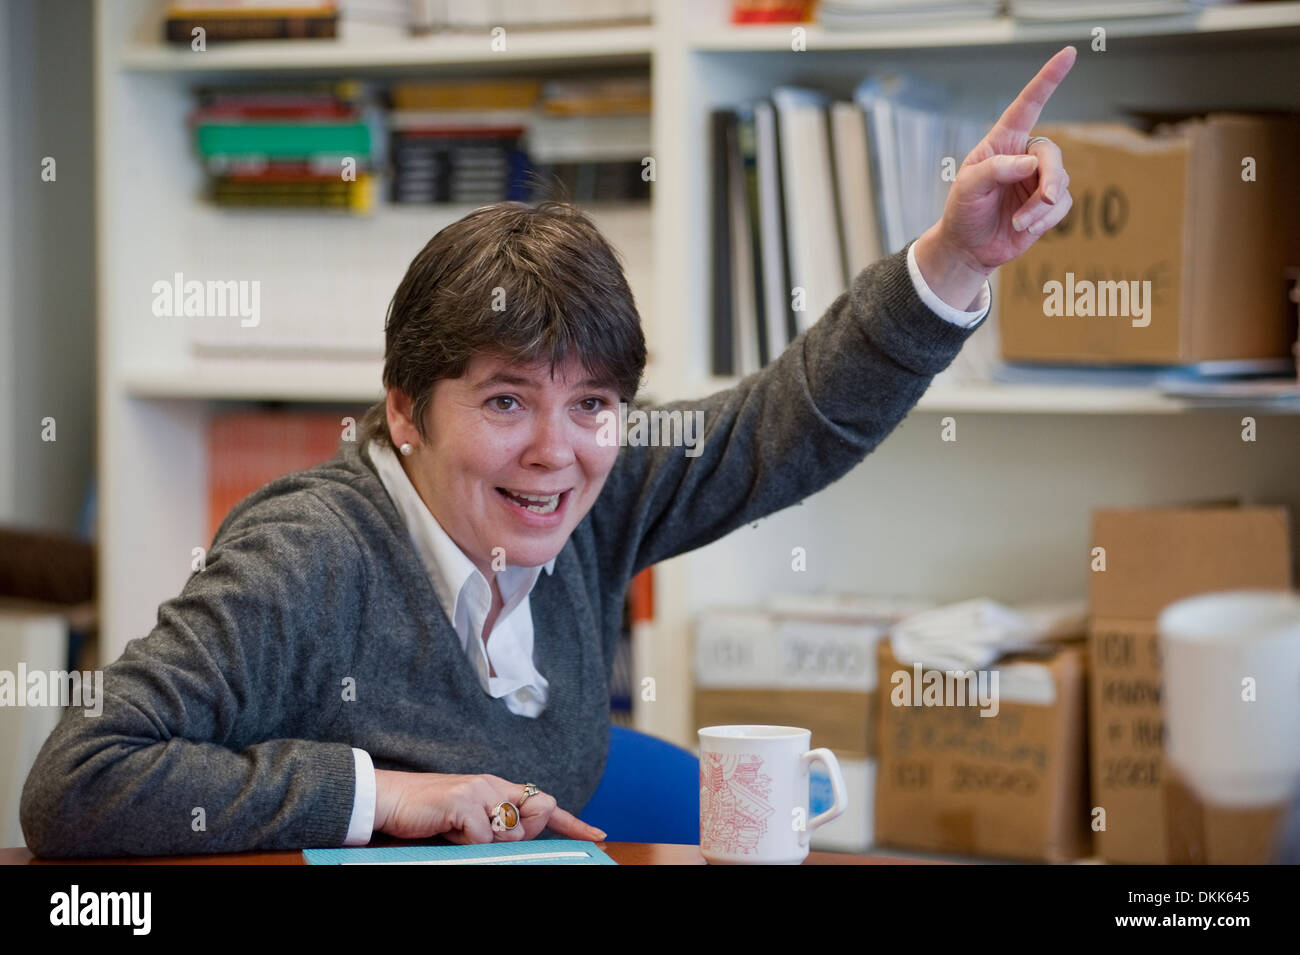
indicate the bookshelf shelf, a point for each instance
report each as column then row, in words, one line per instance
column 1038, row 399
column 1016, row 399
column 524, row 48
column 261, row 379
column 1274, row 17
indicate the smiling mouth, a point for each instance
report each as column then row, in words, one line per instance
column 537, row 503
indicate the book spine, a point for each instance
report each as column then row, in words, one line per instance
column 181, row 29
column 287, row 140
column 723, row 357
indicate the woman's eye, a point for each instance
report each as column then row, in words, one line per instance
column 502, row 403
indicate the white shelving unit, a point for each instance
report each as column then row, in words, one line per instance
column 1003, row 511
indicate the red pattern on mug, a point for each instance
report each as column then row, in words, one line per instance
column 734, row 806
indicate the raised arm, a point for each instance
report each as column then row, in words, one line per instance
column 210, row 739
column 787, row 431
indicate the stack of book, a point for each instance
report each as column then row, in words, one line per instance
column 222, row 20
column 301, row 144
column 376, row 21
column 591, row 139
column 433, row 15
column 772, row 11
column 481, row 141
column 886, row 14
column 460, row 141
column 807, row 192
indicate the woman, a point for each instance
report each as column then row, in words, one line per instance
column 416, row 637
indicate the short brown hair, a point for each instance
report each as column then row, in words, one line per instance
column 528, row 283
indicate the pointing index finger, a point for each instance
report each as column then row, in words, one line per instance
column 566, row 824
column 1022, row 114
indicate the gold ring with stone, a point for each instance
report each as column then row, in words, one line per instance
column 505, row 817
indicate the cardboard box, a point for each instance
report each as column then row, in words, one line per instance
column 819, row 674
column 841, row 720
column 851, row 831
column 1154, row 557
column 760, row 649
column 813, row 665
column 1011, row 785
column 1199, row 833
column 1171, row 210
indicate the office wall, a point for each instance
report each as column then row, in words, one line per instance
column 46, row 262
column 8, row 64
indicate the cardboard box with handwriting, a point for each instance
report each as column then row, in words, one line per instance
column 1012, row 784
column 814, row 667
column 1175, row 249
column 1143, row 560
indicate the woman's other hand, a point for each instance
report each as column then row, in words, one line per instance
column 459, row 808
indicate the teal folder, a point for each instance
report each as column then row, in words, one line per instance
column 538, row 852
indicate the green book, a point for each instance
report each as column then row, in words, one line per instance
column 283, row 140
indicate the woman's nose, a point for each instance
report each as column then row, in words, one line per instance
column 550, row 444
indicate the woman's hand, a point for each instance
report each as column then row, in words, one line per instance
column 1003, row 198
column 459, row 808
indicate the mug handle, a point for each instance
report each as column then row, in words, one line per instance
column 826, row 757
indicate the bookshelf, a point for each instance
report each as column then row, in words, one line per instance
column 1003, row 511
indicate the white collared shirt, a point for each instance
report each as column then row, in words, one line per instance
column 466, row 596
column 460, row 586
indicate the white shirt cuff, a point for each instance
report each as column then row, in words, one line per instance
column 361, row 826
column 938, row 305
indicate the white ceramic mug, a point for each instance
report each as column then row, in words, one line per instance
column 1231, row 663
column 754, row 794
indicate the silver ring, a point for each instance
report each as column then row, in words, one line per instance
column 529, row 790
column 505, row 817
column 1037, row 139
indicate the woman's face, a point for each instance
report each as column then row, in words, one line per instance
column 503, row 430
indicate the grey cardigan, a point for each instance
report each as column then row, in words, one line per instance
column 230, row 726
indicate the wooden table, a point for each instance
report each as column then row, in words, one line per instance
column 624, row 853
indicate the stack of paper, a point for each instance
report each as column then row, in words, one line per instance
column 1252, row 380
column 878, row 14
column 1091, row 9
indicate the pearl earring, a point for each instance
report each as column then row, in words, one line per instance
column 407, row 449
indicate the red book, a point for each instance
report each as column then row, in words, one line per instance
column 227, row 111
column 248, row 449
column 641, row 597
